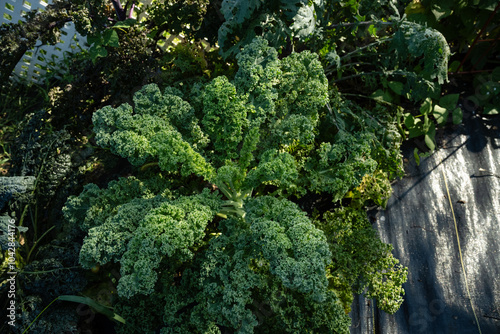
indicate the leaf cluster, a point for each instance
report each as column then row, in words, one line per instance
column 228, row 246
column 263, row 273
column 361, row 261
column 459, row 22
column 277, row 21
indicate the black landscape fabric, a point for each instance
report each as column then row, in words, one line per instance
column 419, row 222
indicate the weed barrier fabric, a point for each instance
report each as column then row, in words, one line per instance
column 419, row 223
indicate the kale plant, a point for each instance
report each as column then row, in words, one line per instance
column 208, row 230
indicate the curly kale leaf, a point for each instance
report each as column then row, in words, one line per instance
column 94, row 205
column 272, row 105
column 162, row 127
column 304, row 87
column 285, row 96
column 274, row 168
column 258, row 75
column 294, row 133
column 297, row 252
column 225, row 117
column 340, row 166
column 171, row 232
column 293, row 313
column 108, row 242
column 274, row 255
column 302, row 93
column 361, row 260
column 170, row 106
column 173, row 152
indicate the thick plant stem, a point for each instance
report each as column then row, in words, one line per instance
column 120, row 11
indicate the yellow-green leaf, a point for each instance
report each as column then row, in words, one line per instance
column 440, row 114
column 426, row 107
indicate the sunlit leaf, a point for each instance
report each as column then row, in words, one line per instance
column 440, row 114
column 490, row 109
column 426, row 107
column 430, row 137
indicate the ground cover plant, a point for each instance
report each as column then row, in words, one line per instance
column 222, row 189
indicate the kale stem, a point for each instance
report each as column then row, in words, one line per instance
column 36, row 243
column 350, row 24
column 380, row 41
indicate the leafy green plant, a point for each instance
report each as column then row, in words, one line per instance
column 208, row 229
column 211, row 233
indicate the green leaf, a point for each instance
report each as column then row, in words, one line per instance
column 239, row 10
column 125, row 24
column 95, row 305
column 457, row 116
column 94, row 39
column 440, row 114
column 97, row 51
column 440, row 11
column 426, row 107
column 453, row 67
column 409, row 120
column 449, row 101
column 396, row 87
column 381, row 95
column 430, row 137
column 304, row 22
column 426, row 124
column 110, row 38
column 372, row 30
column 414, row 126
column 490, row 109
column 416, row 156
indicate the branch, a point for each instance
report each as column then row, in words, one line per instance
column 120, row 11
column 349, row 24
column 131, row 12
